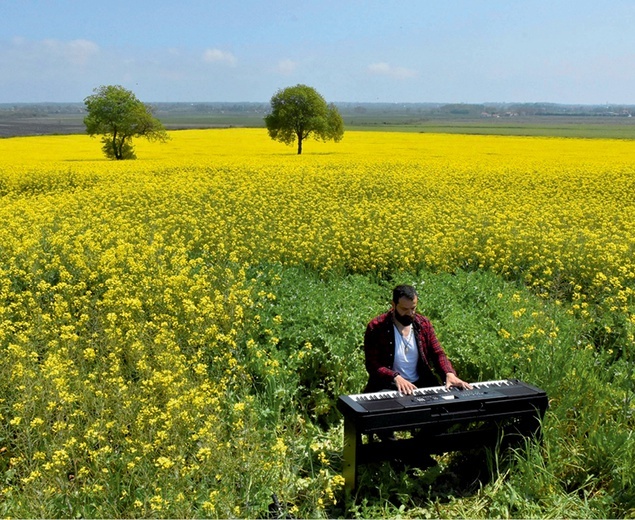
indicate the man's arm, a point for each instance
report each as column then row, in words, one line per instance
column 440, row 359
column 377, row 358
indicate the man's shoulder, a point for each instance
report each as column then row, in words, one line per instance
column 422, row 321
column 421, row 318
column 379, row 321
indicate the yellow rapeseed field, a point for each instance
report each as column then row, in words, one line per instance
column 557, row 213
column 122, row 283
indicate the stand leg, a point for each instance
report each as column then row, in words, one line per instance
column 352, row 441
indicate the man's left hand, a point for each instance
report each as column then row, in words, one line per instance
column 451, row 380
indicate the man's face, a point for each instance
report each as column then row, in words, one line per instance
column 405, row 310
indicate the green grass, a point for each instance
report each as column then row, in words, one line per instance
column 581, row 469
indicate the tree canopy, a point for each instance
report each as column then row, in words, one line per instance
column 117, row 115
column 300, row 112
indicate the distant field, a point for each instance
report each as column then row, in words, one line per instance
column 549, row 126
column 538, row 126
column 11, row 125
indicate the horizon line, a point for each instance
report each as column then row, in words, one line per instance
column 348, row 102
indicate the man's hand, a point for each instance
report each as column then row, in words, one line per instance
column 404, row 386
column 451, row 380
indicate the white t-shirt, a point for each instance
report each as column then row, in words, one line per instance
column 406, row 355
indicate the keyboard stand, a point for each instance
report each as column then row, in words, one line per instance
column 441, row 437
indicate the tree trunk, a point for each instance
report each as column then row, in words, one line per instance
column 115, row 148
column 299, row 145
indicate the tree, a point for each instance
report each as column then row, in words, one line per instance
column 117, row 115
column 299, row 113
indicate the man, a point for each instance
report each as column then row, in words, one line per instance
column 402, row 351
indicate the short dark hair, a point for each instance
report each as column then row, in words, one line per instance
column 401, row 291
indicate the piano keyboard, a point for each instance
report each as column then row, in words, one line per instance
column 479, row 389
column 483, row 391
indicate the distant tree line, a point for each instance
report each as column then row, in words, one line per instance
column 66, row 118
column 345, row 108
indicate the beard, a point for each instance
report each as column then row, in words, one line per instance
column 405, row 320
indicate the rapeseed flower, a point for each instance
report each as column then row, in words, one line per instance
column 127, row 288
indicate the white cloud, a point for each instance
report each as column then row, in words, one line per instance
column 79, row 52
column 287, row 66
column 51, row 69
column 219, row 56
column 72, row 52
column 385, row 69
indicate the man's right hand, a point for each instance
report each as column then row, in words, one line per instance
column 404, row 386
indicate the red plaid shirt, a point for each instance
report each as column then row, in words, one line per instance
column 379, row 349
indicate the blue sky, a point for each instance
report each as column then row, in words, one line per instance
column 463, row 51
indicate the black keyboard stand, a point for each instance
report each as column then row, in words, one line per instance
column 437, row 434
